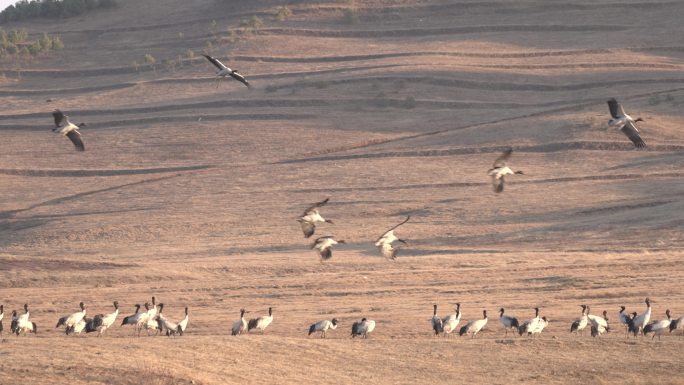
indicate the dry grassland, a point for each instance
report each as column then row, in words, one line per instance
column 190, row 192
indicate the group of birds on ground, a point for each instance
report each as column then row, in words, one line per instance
column 634, row 323
column 386, row 243
column 447, row 325
column 153, row 321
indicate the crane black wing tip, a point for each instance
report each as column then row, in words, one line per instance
column 326, row 254
column 75, row 138
column 58, row 116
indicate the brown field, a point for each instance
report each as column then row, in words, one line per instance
column 190, row 192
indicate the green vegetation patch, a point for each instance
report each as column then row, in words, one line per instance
column 16, row 42
column 52, row 9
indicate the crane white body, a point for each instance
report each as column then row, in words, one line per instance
column 659, row 327
column 323, row 326
column 474, row 327
column 581, row 322
column 450, row 322
column 363, row 328
column 641, row 320
column 261, row 323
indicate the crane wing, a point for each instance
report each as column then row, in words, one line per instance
column 216, row 62
column 237, row 76
column 75, row 137
column 394, row 227
column 308, row 228
column 59, row 117
column 632, row 133
column 315, row 206
column 614, row 108
column 501, row 160
column 326, row 253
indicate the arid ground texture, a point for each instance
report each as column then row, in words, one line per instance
column 190, row 192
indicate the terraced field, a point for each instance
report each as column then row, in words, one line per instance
column 189, row 192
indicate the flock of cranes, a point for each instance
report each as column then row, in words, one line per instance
column 619, row 119
column 633, row 323
column 154, row 321
column 386, row 243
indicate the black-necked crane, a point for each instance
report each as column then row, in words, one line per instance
column 171, row 328
column 68, row 129
column 437, row 324
column 659, row 327
column 240, row 326
column 386, row 241
column 580, row 323
column 677, row 324
column 474, row 327
column 14, row 321
column 630, row 322
column 24, row 317
column 312, row 216
column 224, row 71
column 102, row 322
column 133, row 318
column 641, row 320
column 323, row 326
column 499, row 170
column 599, row 325
column 183, row 324
column 362, row 328
column 450, row 322
column 22, row 324
column 540, row 326
column 531, row 324
column 153, row 324
column 625, row 122
column 262, row 322
column 148, row 319
column 70, row 321
column 508, row 322
column 323, row 246
column 624, row 317
column 80, row 326
column 152, row 311
column 141, row 320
